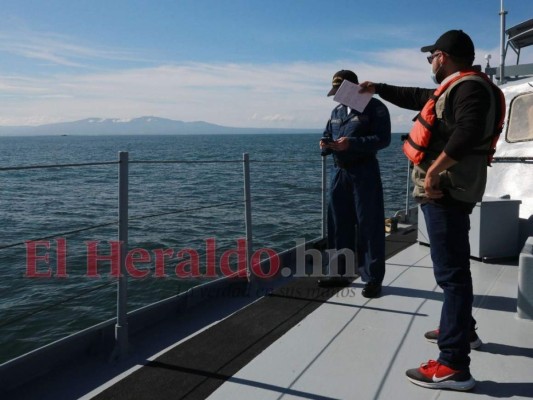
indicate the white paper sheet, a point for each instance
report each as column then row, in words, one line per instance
column 348, row 95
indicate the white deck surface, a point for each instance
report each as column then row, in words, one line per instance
column 357, row 348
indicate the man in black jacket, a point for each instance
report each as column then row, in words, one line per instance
column 449, row 145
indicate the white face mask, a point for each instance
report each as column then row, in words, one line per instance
column 434, row 74
column 434, row 77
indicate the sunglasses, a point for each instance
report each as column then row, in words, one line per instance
column 431, row 57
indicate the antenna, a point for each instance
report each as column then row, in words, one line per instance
column 503, row 13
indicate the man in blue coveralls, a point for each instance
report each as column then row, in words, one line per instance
column 356, row 193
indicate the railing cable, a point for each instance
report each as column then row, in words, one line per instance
column 57, row 166
column 50, row 306
column 292, row 226
column 59, row 234
column 185, row 162
column 182, row 211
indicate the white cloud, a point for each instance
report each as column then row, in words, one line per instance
column 289, row 95
column 55, row 49
column 278, row 118
column 276, row 95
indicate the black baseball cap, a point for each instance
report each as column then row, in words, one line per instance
column 339, row 77
column 454, row 42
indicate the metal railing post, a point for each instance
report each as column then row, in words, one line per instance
column 121, row 327
column 324, row 197
column 407, row 193
column 247, row 212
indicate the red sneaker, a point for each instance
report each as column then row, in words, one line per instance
column 435, row 375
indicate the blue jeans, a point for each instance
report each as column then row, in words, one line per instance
column 356, row 219
column 450, row 252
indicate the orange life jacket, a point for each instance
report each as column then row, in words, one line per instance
column 417, row 142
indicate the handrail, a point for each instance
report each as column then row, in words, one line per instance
column 71, row 232
column 497, row 160
column 121, row 331
column 57, row 166
column 256, row 200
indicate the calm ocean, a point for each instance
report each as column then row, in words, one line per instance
column 172, row 206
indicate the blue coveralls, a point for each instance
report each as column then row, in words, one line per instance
column 356, row 193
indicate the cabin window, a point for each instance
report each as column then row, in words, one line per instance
column 520, row 125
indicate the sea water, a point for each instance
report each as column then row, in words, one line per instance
column 178, row 206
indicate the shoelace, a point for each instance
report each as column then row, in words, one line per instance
column 429, row 364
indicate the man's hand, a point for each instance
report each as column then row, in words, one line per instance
column 325, row 144
column 339, row 145
column 432, row 179
column 367, row 87
column 431, row 186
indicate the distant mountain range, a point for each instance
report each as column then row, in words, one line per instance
column 136, row 126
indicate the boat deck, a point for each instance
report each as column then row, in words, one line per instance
column 356, row 348
column 352, row 347
column 300, row 342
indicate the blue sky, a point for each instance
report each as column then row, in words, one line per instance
column 245, row 63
